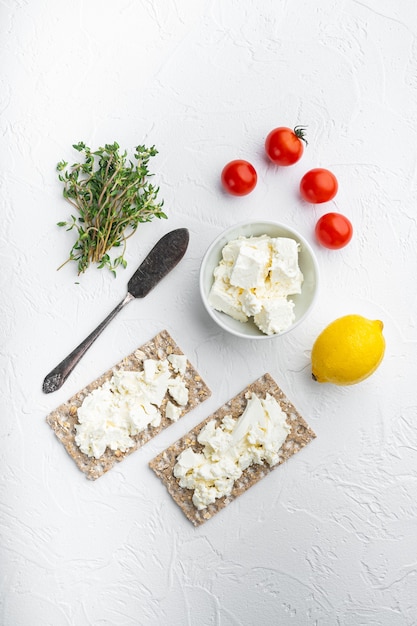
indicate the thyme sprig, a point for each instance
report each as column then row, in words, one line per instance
column 112, row 196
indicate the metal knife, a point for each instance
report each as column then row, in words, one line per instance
column 163, row 257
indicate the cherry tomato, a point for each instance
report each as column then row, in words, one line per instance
column 285, row 146
column 318, row 185
column 334, row 231
column 239, row 177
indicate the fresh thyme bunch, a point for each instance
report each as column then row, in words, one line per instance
column 112, row 196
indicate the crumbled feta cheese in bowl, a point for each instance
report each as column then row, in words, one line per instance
column 259, row 279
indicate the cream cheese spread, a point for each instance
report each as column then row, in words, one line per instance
column 254, row 279
column 230, row 448
column 130, row 402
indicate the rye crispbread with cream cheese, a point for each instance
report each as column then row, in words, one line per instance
column 64, row 419
column 299, row 436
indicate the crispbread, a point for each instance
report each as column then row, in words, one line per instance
column 163, row 465
column 63, row 419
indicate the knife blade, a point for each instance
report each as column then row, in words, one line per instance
column 163, row 257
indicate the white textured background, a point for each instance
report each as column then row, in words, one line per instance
column 330, row 538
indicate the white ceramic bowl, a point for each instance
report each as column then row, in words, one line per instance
column 307, row 261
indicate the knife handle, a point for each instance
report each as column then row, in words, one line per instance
column 56, row 378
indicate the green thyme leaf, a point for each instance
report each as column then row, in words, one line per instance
column 112, row 196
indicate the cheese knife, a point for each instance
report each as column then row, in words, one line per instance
column 163, row 257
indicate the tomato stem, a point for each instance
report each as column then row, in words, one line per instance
column 299, row 132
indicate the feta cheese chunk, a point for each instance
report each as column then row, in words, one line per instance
column 254, row 279
column 224, row 297
column 251, row 265
column 250, row 302
column 275, row 315
column 172, row 411
column 178, row 390
column 178, row 362
column 284, row 265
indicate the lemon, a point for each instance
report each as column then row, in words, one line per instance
column 348, row 350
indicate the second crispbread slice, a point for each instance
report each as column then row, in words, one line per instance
column 64, row 419
column 299, row 436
